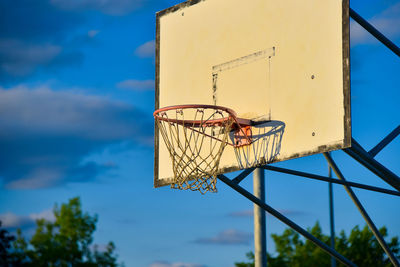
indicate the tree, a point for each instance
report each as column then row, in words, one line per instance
column 7, row 257
column 360, row 247
column 65, row 242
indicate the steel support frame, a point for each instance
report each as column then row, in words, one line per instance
column 357, row 152
column 361, row 209
column 331, row 180
column 372, row 30
column 234, row 184
column 282, row 218
column 331, row 216
column 385, row 141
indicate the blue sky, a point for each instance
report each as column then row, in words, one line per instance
column 76, row 103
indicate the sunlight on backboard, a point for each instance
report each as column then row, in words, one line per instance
column 281, row 64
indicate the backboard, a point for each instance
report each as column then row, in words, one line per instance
column 282, row 64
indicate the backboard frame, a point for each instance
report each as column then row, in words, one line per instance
column 346, row 91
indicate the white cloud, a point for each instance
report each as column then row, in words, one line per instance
column 146, row 50
column 46, row 135
column 137, row 85
column 93, row 33
column 242, row 213
column 387, row 22
column 175, row 264
column 48, row 215
column 38, row 178
column 41, row 109
column 227, row 237
column 99, row 247
column 20, row 59
column 11, row 220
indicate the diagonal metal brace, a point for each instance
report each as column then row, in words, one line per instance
column 372, row 30
column 363, row 212
column 243, row 175
column 385, row 141
column 331, row 180
column 362, row 156
column 284, row 219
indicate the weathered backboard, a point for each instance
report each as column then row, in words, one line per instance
column 282, row 63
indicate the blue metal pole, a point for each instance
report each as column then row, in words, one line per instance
column 260, row 242
column 332, row 219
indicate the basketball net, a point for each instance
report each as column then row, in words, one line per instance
column 195, row 138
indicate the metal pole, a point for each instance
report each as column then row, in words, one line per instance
column 332, row 220
column 385, row 141
column 260, row 243
column 363, row 212
column 284, row 219
column 372, row 30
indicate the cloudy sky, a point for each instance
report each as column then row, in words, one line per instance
column 76, row 103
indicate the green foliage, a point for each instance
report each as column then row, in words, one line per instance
column 250, row 256
column 6, row 255
column 360, row 247
column 64, row 242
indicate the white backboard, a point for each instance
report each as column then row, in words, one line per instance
column 284, row 61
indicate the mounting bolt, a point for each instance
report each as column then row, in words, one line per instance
column 313, row 134
column 312, row 76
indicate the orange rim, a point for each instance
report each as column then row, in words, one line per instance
column 238, row 123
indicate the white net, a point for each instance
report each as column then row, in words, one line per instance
column 195, row 138
column 265, row 145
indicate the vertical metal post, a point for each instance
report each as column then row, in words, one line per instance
column 260, row 243
column 331, row 217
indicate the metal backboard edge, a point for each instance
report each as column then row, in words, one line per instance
column 346, row 73
column 157, row 102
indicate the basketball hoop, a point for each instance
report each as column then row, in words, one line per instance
column 196, row 136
